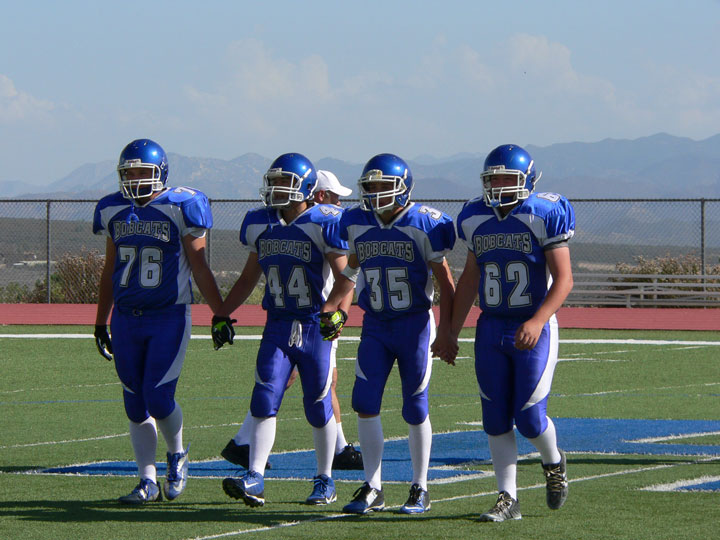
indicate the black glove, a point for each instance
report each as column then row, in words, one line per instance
column 331, row 323
column 102, row 341
column 222, row 331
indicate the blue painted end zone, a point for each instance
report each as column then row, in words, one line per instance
column 451, row 450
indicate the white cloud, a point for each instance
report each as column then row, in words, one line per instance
column 16, row 105
column 259, row 77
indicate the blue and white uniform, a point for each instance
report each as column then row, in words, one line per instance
column 514, row 281
column 152, row 291
column 298, row 281
column 396, row 293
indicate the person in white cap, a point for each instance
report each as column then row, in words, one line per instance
column 328, row 190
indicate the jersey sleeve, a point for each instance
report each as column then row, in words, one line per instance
column 462, row 223
column 559, row 223
column 98, row 225
column 332, row 237
column 244, row 234
column 197, row 214
column 104, row 210
column 343, row 231
column 440, row 238
column 254, row 223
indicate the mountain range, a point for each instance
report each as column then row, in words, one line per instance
column 658, row 166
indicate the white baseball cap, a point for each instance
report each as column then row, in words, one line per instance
column 327, row 181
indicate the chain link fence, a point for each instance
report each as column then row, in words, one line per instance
column 609, row 233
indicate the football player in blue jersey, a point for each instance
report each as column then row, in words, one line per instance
column 397, row 246
column 328, row 190
column 155, row 239
column 518, row 262
column 297, row 246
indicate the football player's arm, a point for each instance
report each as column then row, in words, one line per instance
column 204, row 278
column 105, row 302
column 558, row 261
column 338, row 262
column 342, row 287
column 243, row 287
column 465, row 294
column 105, row 291
column 444, row 346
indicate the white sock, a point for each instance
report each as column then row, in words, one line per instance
column 171, row 428
column 503, row 449
column 262, row 439
column 144, row 442
column 324, row 438
column 243, row 434
column 340, row 442
column 372, row 443
column 546, row 444
column 420, row 441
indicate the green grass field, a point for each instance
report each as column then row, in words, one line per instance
column 60, row 404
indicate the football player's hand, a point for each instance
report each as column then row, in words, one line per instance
column 102, row 341
column 222, row 331
column 527, row 334
column 445, row 347
column 331, row 324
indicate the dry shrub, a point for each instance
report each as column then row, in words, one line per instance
column 79, row 276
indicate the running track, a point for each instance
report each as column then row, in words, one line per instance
column 571, row 317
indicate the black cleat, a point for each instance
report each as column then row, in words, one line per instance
column 505, row 508
column 239, row 454
column 556, row 482
column 418, row 502
column 366, row 499
column 348, row 460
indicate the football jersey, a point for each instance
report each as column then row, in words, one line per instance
column 151, row 268
column 514, row 277
column 394, row 258
column 292, row 256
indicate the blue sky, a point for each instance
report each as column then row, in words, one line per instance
column 80, row 79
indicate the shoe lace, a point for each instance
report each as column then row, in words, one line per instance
column 354, row 454
column 320, row 487
column 173, row 467
column 502, row 505
column 361, row 492
column 555, row 477
column 143, row 488
column 415, row 494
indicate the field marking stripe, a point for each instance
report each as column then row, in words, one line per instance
column 448, row 499
column 255, row 337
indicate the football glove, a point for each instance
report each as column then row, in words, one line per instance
column 331, row 323
column 222, row 331
column 102, row 341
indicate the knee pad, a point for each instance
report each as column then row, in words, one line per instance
column 530, row 424
column 415, row 409
column 160, row 402
column 262, row 403
column 366, row 399
column 135, row 407
column 318, row 414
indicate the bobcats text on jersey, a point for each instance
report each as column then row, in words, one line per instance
column 397, row 249
column 513, row 241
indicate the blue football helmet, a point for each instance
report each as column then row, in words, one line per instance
column 302, row 175
column 508, row 159
column 145, row 154
column 386, row 168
